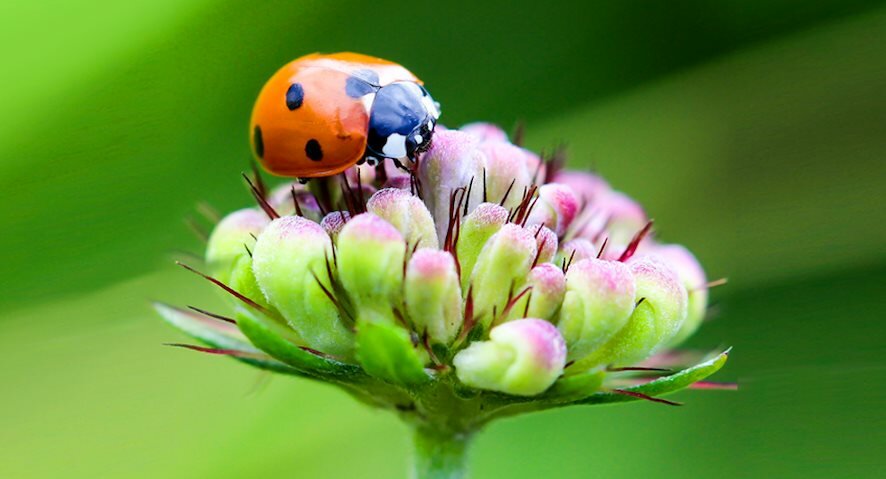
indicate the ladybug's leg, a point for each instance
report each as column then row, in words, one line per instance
column 400, row 165
column 381, row 174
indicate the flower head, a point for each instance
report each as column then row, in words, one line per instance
column 483, row 277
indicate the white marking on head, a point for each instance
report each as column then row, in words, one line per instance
column 395, row 146
column 418, row 139
column 367, row 101
column 431, row 106
column 416, row 90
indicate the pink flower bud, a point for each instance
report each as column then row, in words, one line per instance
column 692, row 275
column 507, row 172
column 586, row 186
column 333, row 222
column 556, row 208
column 485, row 132
column 577, row 250
column 548, row 286
column 280, row 198
column 623, row 218
column 546, row 242
column 454, row 161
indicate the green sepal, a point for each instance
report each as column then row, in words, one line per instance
column 386, row 352
column 663, row 385
column 220, row 335
column 271, row 338
column 579, row 385
column 212, row 332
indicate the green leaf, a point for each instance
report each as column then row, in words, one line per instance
column 386, row 352
column 219, row 335
column 664, row 385
column 270, row 337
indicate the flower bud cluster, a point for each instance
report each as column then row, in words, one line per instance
column 485, row 262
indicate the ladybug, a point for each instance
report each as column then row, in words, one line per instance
column 323, row 113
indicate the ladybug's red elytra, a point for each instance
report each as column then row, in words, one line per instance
column 323, row 113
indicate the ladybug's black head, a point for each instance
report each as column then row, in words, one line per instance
column 401, row 121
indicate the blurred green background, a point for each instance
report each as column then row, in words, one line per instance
column 753, row 131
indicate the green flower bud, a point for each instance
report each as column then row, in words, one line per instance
column 242, row 280
column 290, row 266
column 522, row 357
column 476, row 229
column 433, row 294
column 371, row 256
column 502, row 266
column 407, row 213
column 598, row 302
column 660, row 312
column 229, row 240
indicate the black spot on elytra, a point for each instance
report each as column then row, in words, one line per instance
column 295, row 95
column 361, row 82
column 313, row 150
column 258, row 142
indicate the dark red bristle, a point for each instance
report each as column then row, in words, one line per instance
column 259, row 181
column 225, row 287
column 632, row 246
column 212, row 315
column 602, row 247
column 569, row 263
column 260, row 199
column 646, row 397
column 295, row 202
column 225, row 352
column 538, row 252
column 468, row 194
column 507, row 193
column 484, row 186
column 637, row 368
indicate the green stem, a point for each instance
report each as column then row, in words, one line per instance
column 439, row 454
